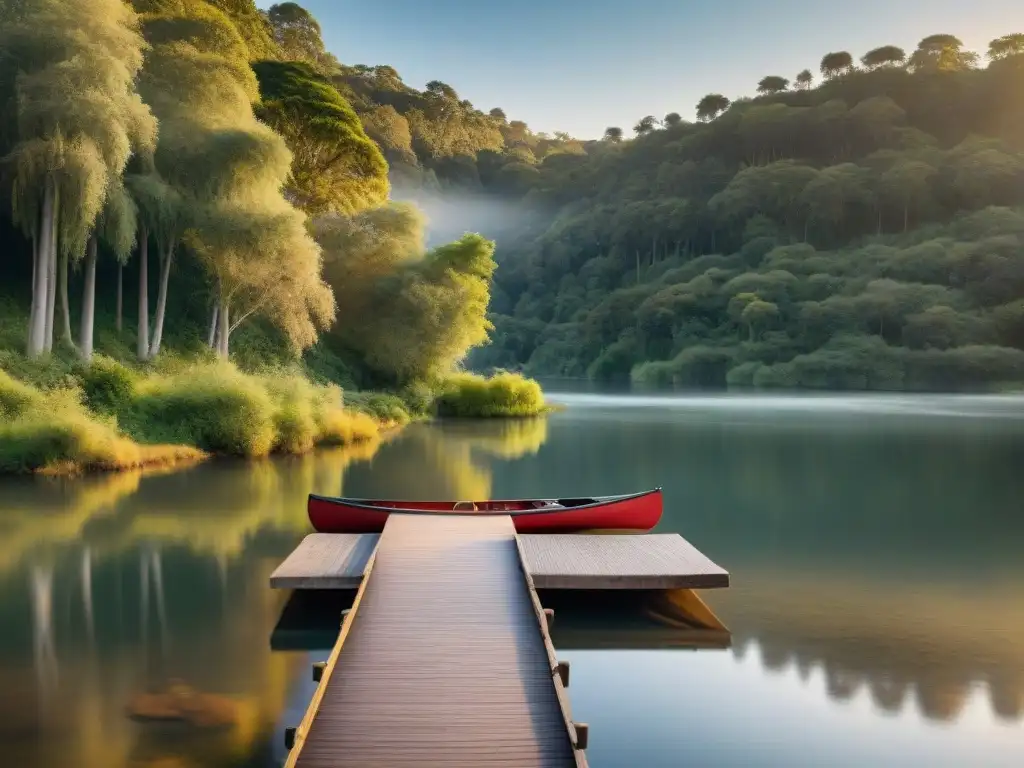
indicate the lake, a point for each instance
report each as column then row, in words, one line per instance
column 876, row 546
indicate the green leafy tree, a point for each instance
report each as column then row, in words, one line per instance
column 78, row 119
column 908, row 185
column 758, row 315
column 1006, row 46
column 335, row 166
column 772, row 84
column 835, row 64
column 942, row 53
column 250, row 23
column 439, row 298
column 887, row 55
column 711, row 106
column 672, row 119
column 644, row 125
column 298, row 36
column 804, row 80
column 613, row 134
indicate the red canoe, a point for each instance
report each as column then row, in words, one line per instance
column 631, row 512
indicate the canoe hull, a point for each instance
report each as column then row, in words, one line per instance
column 635, row 512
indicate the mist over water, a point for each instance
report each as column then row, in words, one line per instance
column 451, row 213
column 869, row 405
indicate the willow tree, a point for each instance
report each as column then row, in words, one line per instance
column 428, row 309
column 264, row 263
column 78, row 118
column 217, row 180
column 198, row 83
column 361, row 250
column 116, row 227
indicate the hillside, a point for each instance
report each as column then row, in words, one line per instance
column 864, row 233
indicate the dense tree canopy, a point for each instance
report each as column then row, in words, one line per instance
column 225, row 140
column 867, row 233
column 335, row 166
column 385, row 280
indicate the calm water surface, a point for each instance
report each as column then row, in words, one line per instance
column 876, row 546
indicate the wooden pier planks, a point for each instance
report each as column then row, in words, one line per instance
column 443, row 660
column 650, row 561
column 555, row 561
column 326, row 561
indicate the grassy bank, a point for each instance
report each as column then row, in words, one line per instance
column 502, row 395
column 57, row 416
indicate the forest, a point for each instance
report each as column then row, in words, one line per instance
column 855, row 227
column 859, row 230
column 199, row 243
column 205, row 211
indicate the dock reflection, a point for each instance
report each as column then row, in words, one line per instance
column 584, row 620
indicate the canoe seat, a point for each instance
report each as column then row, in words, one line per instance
column 464, row 506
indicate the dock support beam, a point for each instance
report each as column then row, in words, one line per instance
column 318, row 671
column 582, row 735
column 289, row 738
column 549, row 616
column 563, row 672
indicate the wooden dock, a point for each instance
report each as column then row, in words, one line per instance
column 554, row 561
column 445, row 658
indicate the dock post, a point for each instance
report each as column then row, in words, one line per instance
column 582, row 735
column 563, row 672
column 289, row 737
column 318, row 671
column 549, row 615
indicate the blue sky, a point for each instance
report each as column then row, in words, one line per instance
column 582, row 65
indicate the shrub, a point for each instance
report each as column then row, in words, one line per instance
column 344, row 427
column 308, row 414
column 107, row 385
column 53, row 432
column 386, row 408
column 16, row 397
column 503, row 394
column 295, row 426
column 212, row 406
column 418, row 397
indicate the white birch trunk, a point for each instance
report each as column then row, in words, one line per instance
column 65, row 309
column 211, row 337
column 88, row 302
column 224, row 332
column 142, row 348
column 166, row 257
column 37, row 325
column 51, row 291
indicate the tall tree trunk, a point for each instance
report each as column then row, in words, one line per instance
column 51, row 293
column 120, row 296
column 65, row 309
column 88, row 302
column 34, row 308
column 166, row 257
column 37, row 326
column 224, row 332
column 212, row 335
column 142, row 347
